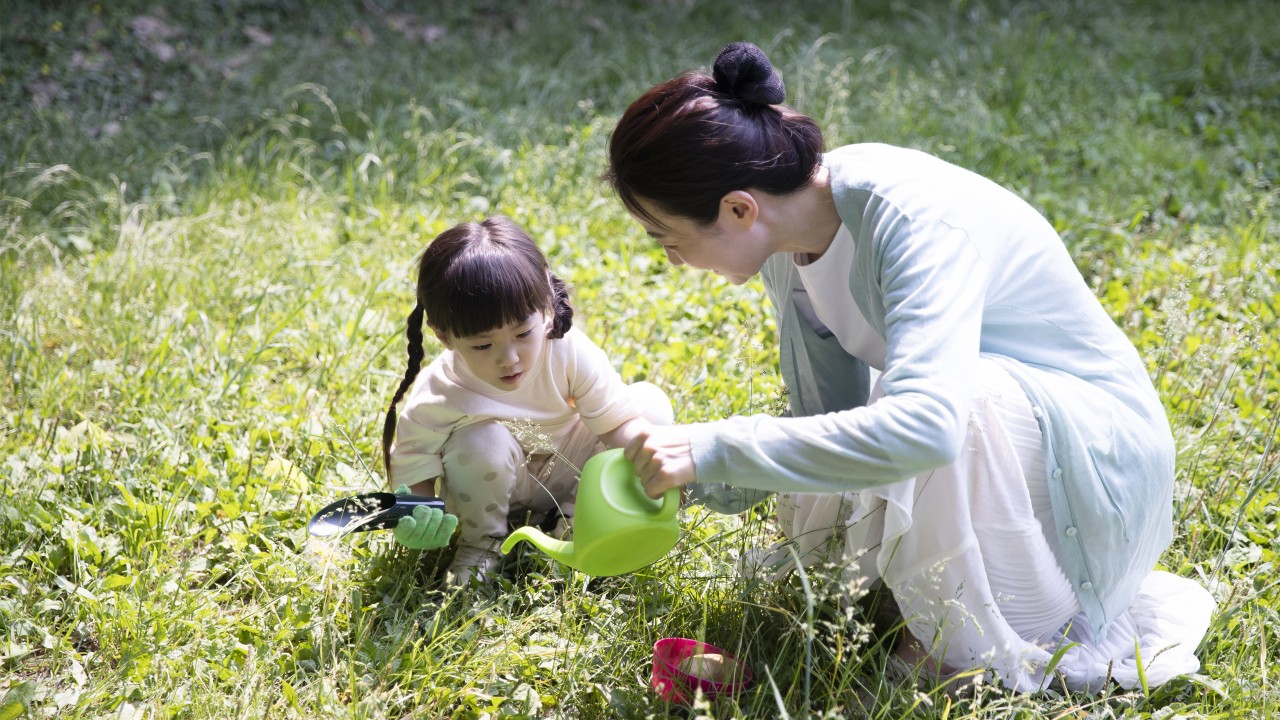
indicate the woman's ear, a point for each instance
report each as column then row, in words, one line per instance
column 738, row 209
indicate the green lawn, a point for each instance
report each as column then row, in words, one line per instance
column 208, row 217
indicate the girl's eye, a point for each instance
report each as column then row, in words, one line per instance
column 526, row 333
column 485, row 346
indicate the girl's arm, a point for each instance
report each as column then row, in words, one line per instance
column 424, row 487
column 622, row 435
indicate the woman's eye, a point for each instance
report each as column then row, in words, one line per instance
column 526, row 333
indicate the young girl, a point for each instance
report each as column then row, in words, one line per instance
column 515, row 404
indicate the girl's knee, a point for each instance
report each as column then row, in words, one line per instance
column 654, row 404
column 481, row 462
column 481, row 448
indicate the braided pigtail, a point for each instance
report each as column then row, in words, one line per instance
column 413, row 331
column 562, row 310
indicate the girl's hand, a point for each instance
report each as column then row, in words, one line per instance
column 663, row 459
column 426, row 529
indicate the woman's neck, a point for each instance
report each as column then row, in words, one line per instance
column 806, row 221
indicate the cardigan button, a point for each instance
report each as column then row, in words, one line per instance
column 1086, row 585
column 1071, row 532
column 1057, row 473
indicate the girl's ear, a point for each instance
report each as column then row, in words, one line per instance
column 738, row 209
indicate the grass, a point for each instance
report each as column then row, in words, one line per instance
column 206, row 266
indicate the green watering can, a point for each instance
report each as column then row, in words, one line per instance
column 617, row 529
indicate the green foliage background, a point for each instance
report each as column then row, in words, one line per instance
column 208, row 216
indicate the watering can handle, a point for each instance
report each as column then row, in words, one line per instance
column 670, row 504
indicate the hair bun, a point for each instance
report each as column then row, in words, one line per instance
column 743, row 72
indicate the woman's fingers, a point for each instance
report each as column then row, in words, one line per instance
column 663, row 459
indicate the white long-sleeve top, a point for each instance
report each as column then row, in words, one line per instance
column 572, row 380
column 945, row 266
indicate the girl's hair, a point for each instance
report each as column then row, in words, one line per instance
column 687, row 142
column 472, row 278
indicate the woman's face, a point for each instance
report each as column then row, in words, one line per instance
column 733, row 247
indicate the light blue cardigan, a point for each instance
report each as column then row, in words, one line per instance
column 951, row 267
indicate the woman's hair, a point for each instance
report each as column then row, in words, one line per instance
column 473, row 278
column 687, row 142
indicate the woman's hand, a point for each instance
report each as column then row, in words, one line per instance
column 663, row 458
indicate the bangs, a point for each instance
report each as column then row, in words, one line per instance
column 631, row 202
column 485, row 291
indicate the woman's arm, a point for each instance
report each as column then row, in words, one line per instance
column 931, row 282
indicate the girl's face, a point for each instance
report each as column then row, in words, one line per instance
column 501, row 357
column 734, row 247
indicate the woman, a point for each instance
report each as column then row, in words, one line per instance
column 1009, row 476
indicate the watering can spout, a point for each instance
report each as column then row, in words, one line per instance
column 617, row 528
column 558, row 549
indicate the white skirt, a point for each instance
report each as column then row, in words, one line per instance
column 985, row 588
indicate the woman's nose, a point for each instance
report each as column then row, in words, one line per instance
column 673, row 258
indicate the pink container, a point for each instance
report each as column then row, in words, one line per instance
column 677, row 686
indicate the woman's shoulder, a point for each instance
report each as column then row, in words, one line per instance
column 918, row 185
column 874, row 163
column 869, row 150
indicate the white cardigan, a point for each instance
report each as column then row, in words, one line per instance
column 950, row 266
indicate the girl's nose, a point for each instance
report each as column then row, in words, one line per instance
column 509, row 356
column 672, row 257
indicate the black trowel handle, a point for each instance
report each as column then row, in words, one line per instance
column 368, row 511
column 404, row 505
